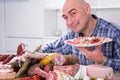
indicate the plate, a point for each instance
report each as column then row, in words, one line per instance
column 87, row 41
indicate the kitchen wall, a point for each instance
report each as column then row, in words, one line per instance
column 37, row 22
column 2, row 36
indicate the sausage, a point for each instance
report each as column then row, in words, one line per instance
column 52, row 76
column 8, row 59
column 68, row 69
column 23, row 69
column 40, row 72
column 24, row 78
column 65, row 60
column 36, row 77
column 20, row 49
column 32, row 68
column 71, row 59
column 2, row 57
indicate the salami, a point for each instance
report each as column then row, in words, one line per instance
column 8, row 59
column 88, row 41
column 2, row 57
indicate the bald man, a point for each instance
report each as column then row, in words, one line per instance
column 78, row 17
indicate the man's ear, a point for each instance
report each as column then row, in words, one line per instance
column 87, row 8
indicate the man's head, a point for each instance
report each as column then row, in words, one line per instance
column 76, row 14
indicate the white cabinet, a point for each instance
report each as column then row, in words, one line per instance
column 24, row 18
column 23, row 23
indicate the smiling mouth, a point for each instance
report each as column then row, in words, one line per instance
column 74, row 26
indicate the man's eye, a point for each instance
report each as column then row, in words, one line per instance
column 65, row 18
column 73, row 14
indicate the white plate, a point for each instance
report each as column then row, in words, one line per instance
column 87, row 41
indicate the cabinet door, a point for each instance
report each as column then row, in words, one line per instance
column 30, row 44
column 24, row 18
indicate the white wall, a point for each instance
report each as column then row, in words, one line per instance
column 2, row 35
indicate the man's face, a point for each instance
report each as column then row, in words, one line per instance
column 76, row 16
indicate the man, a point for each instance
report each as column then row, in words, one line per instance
column 83, row 24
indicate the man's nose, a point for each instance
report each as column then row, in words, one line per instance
column 70, row 22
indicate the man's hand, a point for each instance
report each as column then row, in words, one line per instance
column 95, row 55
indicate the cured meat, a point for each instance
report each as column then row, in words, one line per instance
column 40, row 72
column 68, row 69
column 96, row 71
column 8, row 59
column 87, row 41
column 52, row 76
column 71, row 59
column 2, row 57
column 4, row 68
column 5, row 76
column 58, row 75
column 25, row 78
column 6, row 72
column 48, row 67
column 32, row 69
column 59, row 60
column 20, row 49
column 65, row 60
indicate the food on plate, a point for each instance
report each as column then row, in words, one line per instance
column 87, row 41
